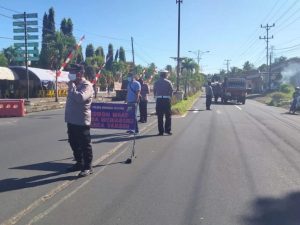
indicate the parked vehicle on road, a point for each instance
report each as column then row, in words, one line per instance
column 234, row 89
column 217, row 90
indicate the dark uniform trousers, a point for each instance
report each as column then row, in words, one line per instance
column 143, row 111
column 80, row 142
column 163, row 108
column 208, row 101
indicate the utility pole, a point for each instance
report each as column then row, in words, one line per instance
column 199, row 54
column 270, row 74
column 26, row 54
column 178, row 47
column 227, row 64
column 266, row 38
column 132, row 53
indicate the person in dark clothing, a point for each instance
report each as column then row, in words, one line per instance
column 78, row 119
column 209, row 95
column 163, row 92
column 143, row 101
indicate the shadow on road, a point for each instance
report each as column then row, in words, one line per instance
column 11, row 184
column 118, row 137
column 275, row 211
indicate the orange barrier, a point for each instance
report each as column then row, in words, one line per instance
column 12, row 107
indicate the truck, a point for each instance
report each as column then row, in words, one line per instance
column 234, row 89
column 217, row 90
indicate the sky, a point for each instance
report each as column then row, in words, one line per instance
column 220, row 30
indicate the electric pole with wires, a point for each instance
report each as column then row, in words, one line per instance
column 266, row 38
column 227, row 64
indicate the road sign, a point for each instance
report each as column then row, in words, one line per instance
column 21, row 16
column 33, row 51
column 30, row 58
column 29, row 44
column 29, row 37
column 29, row 29
column 22, row 23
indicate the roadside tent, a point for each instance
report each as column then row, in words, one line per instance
column 39, row 79
column 42, row 75
column 6, row 74
column 7, row 82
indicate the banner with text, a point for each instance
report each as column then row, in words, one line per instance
column 113, row 116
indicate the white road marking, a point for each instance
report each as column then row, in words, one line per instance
column 218, row 111
column 238, row 107
column 195, row 110
column 59, row 202
column 17, row 217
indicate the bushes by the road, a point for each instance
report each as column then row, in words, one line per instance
column 286, row 88
column 282, row 97
column 181, row 107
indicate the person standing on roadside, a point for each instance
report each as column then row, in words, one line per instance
column 133, row 97
column 209, row 95
column 163, row 92
column 296, row 94
column 143, row 101
column 78, row 119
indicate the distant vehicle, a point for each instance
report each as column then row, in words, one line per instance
column 217, row 90
column 234, row 89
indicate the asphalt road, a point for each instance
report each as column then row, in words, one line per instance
column 235, row 164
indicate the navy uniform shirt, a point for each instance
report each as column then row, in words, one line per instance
column 163, row 87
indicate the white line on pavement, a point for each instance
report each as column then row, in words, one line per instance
column 238, row 107
column 17, row 217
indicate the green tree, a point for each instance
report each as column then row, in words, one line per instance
column 189, row 65
column 10, row 54
column 234, row 72
column 51, row 22
column 90, row 72
column 122, row 55
column 99, row 52
column 248, row 67
column 116, row 55
column 48, row 39
column 119, row 69
column 3, row 60
column 89, row 51
column 79, row 56
column 66, row 27
column 109, row 58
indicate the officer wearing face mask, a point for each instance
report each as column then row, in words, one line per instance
column 78, row 119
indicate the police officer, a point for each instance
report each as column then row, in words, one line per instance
column 163, row 91
column 78, row 119
column 209, row 95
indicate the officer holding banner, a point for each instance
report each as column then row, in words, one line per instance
column 78, row 119
column 163, row 92
column 133, row 96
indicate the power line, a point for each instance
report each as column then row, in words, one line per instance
column 227, row 64
column 266, row 38
column 286, row 11
column 6, row 38
column 9, row 17
column 2, row 7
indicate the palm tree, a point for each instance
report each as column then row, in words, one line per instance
column 189, row 65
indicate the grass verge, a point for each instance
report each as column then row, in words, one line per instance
column 181, row 107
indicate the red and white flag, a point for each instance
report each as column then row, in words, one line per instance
column 70, row 56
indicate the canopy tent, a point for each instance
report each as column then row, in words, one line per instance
column 42, row 74
column 6, row 74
